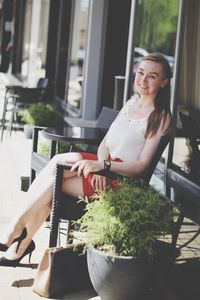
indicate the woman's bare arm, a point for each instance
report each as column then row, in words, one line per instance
column 102, row 152
column 132, row 169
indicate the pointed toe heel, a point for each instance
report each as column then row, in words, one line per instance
column 3, row 247
column 15, row 262
column 22, row 236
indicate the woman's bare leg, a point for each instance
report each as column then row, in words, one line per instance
column 69, row 157
column 72, row 186
column 39, row 196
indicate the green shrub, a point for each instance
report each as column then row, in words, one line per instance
column 41, row 114
column 44, row 147
column 66, row 147
column 127, row 221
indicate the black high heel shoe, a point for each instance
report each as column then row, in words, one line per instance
column 14, row 262
column 22, row 236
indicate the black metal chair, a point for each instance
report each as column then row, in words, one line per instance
column 18, row 98
column 69, row 208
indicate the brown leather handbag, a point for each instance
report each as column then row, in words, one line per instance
column 62, row 270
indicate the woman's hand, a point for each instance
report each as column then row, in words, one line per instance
column 99, row 182
column 84, row 167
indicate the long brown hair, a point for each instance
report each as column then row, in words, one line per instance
column 162, row 101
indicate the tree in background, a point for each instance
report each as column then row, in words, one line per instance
column 156, row 25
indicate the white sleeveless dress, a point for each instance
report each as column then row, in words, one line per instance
column 125, row 138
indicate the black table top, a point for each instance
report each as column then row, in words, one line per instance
column 75, row 134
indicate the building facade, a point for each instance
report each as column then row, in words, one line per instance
column 87, row 47
column 89, row 50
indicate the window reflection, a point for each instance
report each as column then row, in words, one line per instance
column 26, row 38
column 186, row 154
column 79, row 37
column 40, row 57
column 42, row 41
column 155, row 29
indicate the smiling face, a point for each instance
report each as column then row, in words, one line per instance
column 149, row 79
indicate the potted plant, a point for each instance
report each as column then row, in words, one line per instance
column 40, row 114
column 121, row 229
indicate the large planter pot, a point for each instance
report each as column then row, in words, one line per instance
column 120, row 278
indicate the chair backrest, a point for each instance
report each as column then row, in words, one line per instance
column 42, row 83
column 106, row 117
column 161, row 147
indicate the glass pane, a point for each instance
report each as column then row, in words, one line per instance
column 76, row 76
column 156, row 23
column 40, row 58
column 43, row 35
column 156, row 26
column 26, row 38
column 186, row 156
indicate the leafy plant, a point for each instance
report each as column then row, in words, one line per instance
column 127, row 221
column 157, row 34
column 41, row 114
column 66, row 147
column 44, row 148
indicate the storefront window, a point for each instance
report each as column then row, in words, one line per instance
column 26, row 39
column 78, row 51
column 186, row 154
column 155, row 31
column 156, row 23
column 42, row 41
column 34, row 58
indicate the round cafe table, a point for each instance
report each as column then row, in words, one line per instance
column 74, row 135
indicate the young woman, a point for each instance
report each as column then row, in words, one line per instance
column 127, row 149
